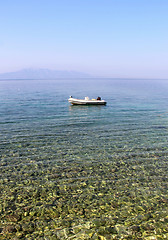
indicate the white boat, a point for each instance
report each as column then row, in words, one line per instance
column 86, row 101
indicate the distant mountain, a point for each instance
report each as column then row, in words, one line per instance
column 42, row 74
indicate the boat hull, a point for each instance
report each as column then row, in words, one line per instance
column 75, row 101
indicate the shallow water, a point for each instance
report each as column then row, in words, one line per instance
column 83, row 172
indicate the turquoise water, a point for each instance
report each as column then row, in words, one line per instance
column 83, row 172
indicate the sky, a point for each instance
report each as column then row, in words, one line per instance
column 105, row 38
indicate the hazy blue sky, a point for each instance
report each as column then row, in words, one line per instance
column 115, row 38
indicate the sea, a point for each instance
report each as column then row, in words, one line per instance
column 84, row 172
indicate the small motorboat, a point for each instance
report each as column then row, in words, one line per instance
column 86, row 101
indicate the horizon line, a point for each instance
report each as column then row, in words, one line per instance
column 75, row 78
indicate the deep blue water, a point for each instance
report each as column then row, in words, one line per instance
column 45, row 143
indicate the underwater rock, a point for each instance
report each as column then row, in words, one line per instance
column 121, row 229
column 151, row 238
column 9, row 229
column 111, row 230
column 135, row 228
column 101, row 237
column 62, row 234
column 13, row 218
column 28, row 227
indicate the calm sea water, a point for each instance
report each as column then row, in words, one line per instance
column 99, row 167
